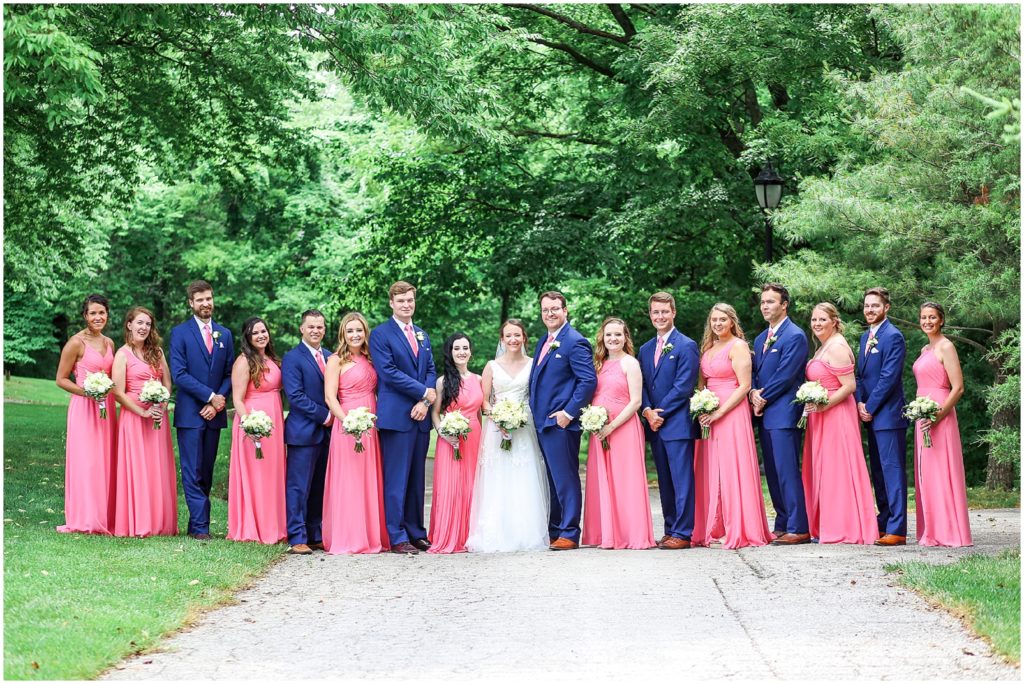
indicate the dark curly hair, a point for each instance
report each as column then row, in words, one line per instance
column 257, row 366
column 452, row 377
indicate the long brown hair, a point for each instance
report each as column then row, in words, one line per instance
column 601, row 352
column 152, row 354
column 709, row 339
column 343, row 352
column 257, row 365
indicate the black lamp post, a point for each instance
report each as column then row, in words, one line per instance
column 768, row 186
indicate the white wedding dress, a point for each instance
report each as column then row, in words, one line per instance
column 510, row 498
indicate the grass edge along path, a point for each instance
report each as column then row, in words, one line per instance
column 982, row 591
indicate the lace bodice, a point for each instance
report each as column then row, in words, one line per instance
column 515, row 388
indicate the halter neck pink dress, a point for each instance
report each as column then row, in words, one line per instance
column 89, row 476
column 942, row 518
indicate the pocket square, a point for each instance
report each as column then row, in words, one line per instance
column 221, row 344
column 774, row 351
column 671, row 357
column 875, row 350
column 558, row 356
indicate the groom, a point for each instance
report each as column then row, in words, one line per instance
column 562, row 381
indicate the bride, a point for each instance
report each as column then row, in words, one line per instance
column 510, row 498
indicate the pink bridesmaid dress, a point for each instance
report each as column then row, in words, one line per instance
column 942, row 518
column 453, row 480
column 617, row 507
column 353, row 490
column 728, row 499
column 147, row 480
column 256, row 509
column 89, row 475
column 840, row 506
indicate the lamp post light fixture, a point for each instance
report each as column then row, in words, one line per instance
column 768, row 186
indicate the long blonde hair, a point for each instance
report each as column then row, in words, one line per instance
column 601, row 352
column 710, row 337
column 343, row 352
column 833, row 313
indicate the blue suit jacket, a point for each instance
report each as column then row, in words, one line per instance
column 564, row 381
column 670, row 385
column 198, row 373
column 304, row 386
column 402, row 378
column 880, row 378
column 779, row 372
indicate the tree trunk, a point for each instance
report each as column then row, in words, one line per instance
column 504, row 307
column 1001, row 474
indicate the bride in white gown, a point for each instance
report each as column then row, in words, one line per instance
column 510, row 497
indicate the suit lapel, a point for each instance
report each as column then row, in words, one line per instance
column 198, row 335
column 659, row 364
column 309, row 358
column 404, row 342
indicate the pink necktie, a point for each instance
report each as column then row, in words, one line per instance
column 412, row 341
column 208, row 336
column 320, row 362
column 657, row 351
column 871, row 335
column 544, row 349
column 766, row 343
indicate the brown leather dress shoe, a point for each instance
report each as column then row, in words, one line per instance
column 891, row 540
column 563, row 544
column 200, row 536
column 421, row 544
column 778, row 533
column 790, row 539
column 300, row 550
column 673, row 543
column 405, row 547
column 317, row 546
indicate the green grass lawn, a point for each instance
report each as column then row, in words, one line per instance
column 984, row 591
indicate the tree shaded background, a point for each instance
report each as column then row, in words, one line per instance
column 311, row 155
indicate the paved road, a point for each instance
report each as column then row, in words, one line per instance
column 803, row 612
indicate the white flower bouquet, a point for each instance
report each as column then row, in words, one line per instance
column 703, row 402
column 509, row 416
column 97, row 386
column 922, row 408
column 256, row 425
column 811, row 392
column 454, row 424
column 357, row 423
column 154, row 392
column 593, row 419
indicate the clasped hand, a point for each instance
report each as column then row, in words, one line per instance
column 560, row 418
column 654, row 419
column 207, row 412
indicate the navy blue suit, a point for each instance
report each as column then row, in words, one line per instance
column 669, row 386
column 564, row 380
column 880, row 389
column 778, row 373
column 197, row 374
column 402, row 379
column 308, row 441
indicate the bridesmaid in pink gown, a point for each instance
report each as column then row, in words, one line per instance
column 147, row 486
column 92, row 440
column 729, row 502
column 353, row 491
column 840, row 506
column 256, row 510
column 617, row 506
column 942, row 518
column 458, row 390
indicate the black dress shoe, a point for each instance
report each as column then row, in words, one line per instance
column 201, row 536
column 404, row 547
column 421, row 544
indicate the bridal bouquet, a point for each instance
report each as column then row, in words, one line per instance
column 454, row 424
column 508, row 415
column 922, row 408
column 702, row 403
column 593, row 419
column 256, row 425
column 154, row 392
column 357, row 423
column 97, row 386
column 811, row 392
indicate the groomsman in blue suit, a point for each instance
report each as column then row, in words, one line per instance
column 880, row 404
column 780, row 358
column 670, row 363
column 405, row 392
column 562, row 382
column 307, row 432
column 202, row 353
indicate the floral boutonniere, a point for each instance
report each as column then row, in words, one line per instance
column 419, row 335
column 771, row 340
column 216, row 335
column 667, row 348
column 555, row 345
column 872, row 343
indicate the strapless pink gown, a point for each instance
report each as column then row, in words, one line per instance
column 942, row 518
column 147, row 480
column 354, row 490
column 256, row 510
column 728, row 499
column 453, row 480
column 89, row 475
column 617, row 507
column 840, row 506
